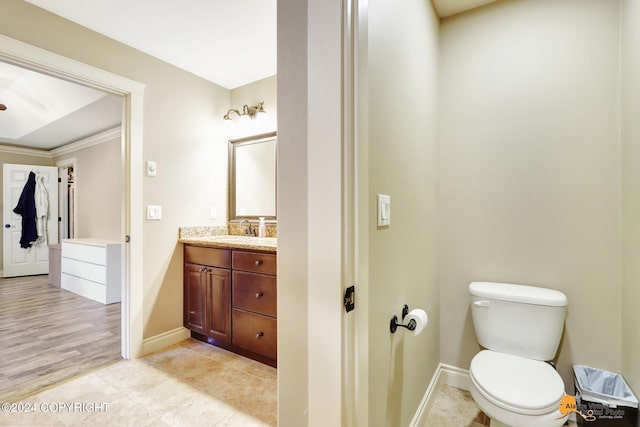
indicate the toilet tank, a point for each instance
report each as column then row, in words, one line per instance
column 522, row 320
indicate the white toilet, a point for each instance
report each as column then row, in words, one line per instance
column 520, row 327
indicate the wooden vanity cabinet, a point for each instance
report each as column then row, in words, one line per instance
column 207, row 292
column 254, row 307
column 230, row 300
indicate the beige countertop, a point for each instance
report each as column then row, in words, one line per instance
column 234, row 242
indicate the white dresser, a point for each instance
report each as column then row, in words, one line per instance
column 91, row 268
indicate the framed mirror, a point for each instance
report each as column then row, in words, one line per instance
column 252, row 177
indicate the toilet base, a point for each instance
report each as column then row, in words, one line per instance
column 495, row 423
column 511, row 419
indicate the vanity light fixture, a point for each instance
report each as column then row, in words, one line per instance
column 250, row 111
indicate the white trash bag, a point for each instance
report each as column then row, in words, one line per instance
column 608, row 388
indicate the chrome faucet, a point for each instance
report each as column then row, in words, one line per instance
column 247, row 231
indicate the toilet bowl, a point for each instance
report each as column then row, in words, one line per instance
column 520, row 328
column 515, row 391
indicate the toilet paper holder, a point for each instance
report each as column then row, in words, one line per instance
column 393, row 324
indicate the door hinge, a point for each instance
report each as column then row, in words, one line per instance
column 59, row 179
column 127, row 238
column 350, row 298
column 59, row 219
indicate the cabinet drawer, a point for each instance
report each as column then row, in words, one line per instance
column 85, row 270
column 207, row 256
column 255, row 292
column 254, row 261
column 88, row 253
column 255, row 333
column 89, row 289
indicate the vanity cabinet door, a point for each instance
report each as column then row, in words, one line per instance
column 218, row 304
column 194, row 297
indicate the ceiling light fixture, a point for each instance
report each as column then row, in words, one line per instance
column 252, row 111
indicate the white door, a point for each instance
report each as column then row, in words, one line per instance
column 34, row 260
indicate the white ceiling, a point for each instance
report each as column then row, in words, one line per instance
column 45, row 112
column 228, row 42
column 451, row 7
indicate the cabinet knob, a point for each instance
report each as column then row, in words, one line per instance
column 203, row 269
column 259, row 335
column 259, row 294
column 259, row 262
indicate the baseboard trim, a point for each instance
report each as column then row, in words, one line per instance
column 164, row 339
column 456, row 377
column 445, row 374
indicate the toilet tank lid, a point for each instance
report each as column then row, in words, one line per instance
column 518, row 293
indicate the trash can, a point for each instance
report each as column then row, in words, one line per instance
column 603, row 399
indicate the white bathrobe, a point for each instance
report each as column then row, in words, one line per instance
column 42, row 209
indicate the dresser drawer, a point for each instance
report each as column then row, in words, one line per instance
column 84, row 270
column 207, row 256
column 87, row 253
column 255, row 333
column 255, row 292
column 88, row 289
column 254, row 261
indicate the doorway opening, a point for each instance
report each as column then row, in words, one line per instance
column 37, row 59
column 67, row 198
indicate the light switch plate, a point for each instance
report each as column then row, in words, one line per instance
column 152, row 168
column 384, row 210
column 213, row 212
column 154, row 212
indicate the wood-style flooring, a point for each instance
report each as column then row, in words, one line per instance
column 48, row 335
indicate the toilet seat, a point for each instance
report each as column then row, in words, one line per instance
column 517, row 384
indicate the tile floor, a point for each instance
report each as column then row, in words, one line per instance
column 190, row 384
column 187, row 384
column 453, row 407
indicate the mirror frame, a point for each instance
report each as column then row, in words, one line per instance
column 233, row 144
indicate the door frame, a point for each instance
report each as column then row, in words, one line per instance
column 28, row 56
column 64, row 164
column 356, row 211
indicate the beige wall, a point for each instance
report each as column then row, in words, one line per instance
column 402, row 90
column 293, row 256
column 19, row 159
column 99, row 185
column 261, row 90
column 183, row 133
column 309, row 213
column 529, row 167
column 631, row 193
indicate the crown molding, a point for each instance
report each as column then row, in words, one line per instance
column 107, row 135
column 10, row 149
